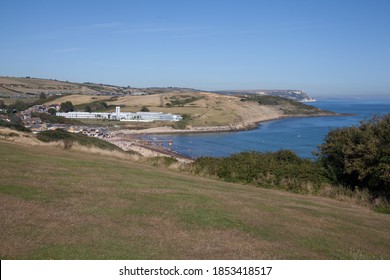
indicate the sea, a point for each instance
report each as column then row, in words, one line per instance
column 301, row 135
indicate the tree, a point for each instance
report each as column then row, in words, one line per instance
column 359, row 156
column 2, row 104
column 144, row 109
column 42, row 95
column 67, row 107
column 88, row 109
column 52, row 111
column 18, row 106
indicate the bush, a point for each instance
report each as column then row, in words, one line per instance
column 52, row 111
column 144, row 109
column 69, row 138
column 162, row 161
column 183, row 100
column 42, row 95
column 95, row 106
column 183, row 123
column 359, row 156
column 18, row 106
column 16, row 126
column 47, row 99
column 67, row 107
column 282, row 169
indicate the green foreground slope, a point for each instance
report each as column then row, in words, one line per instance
column 58, row 204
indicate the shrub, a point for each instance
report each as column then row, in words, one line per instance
column 67, row 107
column 183, row 100
column 68, row 143
column 47, row 99
column 42, row 95
column 52, row 111
column 94, row 106
column 359, row 156
column 13, row 125
column 162, row 161
column 282, row 169
column 69, row 138
column 183, row 123
column 18, row 106
column 144, row 109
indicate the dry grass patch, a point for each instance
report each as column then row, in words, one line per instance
column 78, row 99
column 138, row 101
column 58, row 204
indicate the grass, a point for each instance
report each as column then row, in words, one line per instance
column 69, row 138
column 289, row 107
column 78, row 99
column 9, row 101
column 64, row 204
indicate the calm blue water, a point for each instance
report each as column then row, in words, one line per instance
column 301, row 135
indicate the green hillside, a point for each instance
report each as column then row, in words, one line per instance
column 62, row 204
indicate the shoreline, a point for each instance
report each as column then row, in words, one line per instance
column 166, row 130
column 132, row 139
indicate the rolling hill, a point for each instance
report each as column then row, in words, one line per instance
column 64, row 204
column 201, row 108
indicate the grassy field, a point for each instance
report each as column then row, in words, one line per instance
column 59, row 204
column 9, row 101
column 78, row 99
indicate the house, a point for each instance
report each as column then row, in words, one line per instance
column 36, row 128
column 41, row 109
column 4, row 118
column 28, row 122
column 56, row 107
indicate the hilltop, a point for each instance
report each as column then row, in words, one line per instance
column 27, row 87
column 297, row 95
column 12, row 87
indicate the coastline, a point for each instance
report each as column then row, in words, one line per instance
column 248, row 125
column 132, row 139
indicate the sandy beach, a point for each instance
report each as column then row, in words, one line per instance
column 133, row 143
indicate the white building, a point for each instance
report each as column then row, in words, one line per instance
column 118, row 115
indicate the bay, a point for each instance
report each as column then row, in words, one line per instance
column 301, row 135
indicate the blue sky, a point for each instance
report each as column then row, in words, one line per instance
column 322, row 47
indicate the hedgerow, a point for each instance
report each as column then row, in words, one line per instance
column 282, row 169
